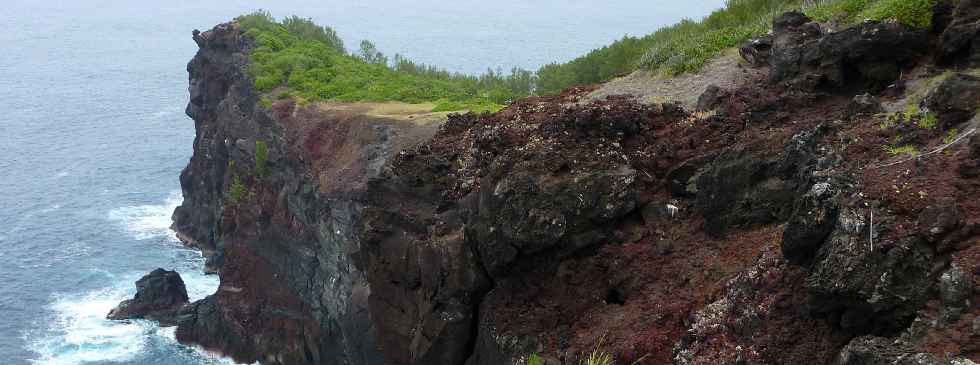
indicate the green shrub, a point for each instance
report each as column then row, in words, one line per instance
column 928, row 121
column 950, row 136
column 311, row 62
column 261, row 158
column 236, row 191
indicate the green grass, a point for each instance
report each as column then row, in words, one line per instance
column 928, row 121
column 950, row 136
column 311, row 63
column 914, row 13
column 689, row 44
column 892, row 150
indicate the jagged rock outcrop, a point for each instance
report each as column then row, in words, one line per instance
column 871, row 55
column 283, row 243
column 960, row 42
column 768, row 232
column 956, row 100
column 160, row 295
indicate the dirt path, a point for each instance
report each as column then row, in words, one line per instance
column 725, row 71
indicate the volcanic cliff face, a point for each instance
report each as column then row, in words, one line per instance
column 772, row 227
column 271, row 195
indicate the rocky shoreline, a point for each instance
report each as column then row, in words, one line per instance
column 773, row 225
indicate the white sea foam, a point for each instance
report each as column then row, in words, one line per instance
column 148, row 221
column 80, row 333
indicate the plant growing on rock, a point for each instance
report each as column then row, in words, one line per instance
column 236, row 191
column 261, row 158
column 893, row 150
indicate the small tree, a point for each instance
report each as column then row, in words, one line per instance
column 370, row 54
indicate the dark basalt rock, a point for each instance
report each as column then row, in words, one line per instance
column 711, row 98
column 955, row 291
column 871, row 350
column 738, row 189
column 812, row 221
column 865, row 288
column 955, row 100
column 159, row 296
column 961, row 40
column 864, row 104
column 939, row 220
column 870, row 56
column 757, row 51
column 970, row 168
column 523, row 212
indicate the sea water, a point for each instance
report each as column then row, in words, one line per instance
column 93, row 138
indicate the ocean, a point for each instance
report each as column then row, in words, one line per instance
column 93, row 137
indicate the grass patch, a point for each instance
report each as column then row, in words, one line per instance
column 310, row 62
column 913, row 13
column 892, row 150
column 928, row 121
column 597, row 356
column 950, row 136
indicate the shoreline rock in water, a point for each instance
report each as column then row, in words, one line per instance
column 159, row 296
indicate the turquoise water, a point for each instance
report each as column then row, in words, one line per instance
column 93, row 138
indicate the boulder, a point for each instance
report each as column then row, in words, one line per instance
column 970, row 167
column 159, row 296
column 865, row 286
column 757, row 51
column 870, row 56
column 864, row 104
column 812, row 221
column 740, row 189
column 939, row 219
column 955, row 291
column 711, row 98
column 960, row 42
column 955, row 100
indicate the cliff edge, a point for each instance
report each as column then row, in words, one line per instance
column 818, row 208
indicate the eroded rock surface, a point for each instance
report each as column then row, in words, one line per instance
column 772, row 230
column 160, row 295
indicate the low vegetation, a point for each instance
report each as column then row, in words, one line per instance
column 261, row 158
column 595, row 357
column 236, row 191
column 308, row 61
column 893, row 150
column 688, row 45
column 914, row 13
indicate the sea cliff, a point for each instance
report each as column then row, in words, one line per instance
column 781, row 219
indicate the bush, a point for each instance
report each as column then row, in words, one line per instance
column 311, row 62
column 236, row 191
